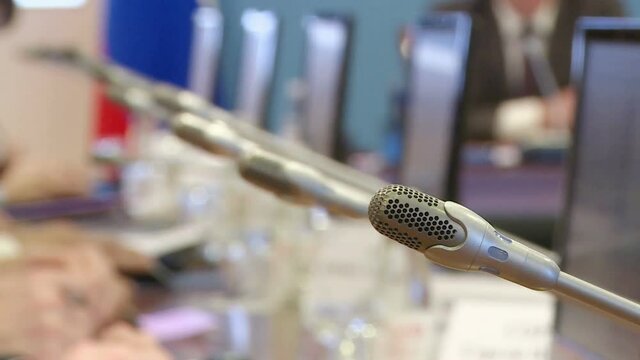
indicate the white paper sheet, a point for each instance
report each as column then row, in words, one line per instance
column 498, row 330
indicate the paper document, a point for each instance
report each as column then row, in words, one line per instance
column 498, row 330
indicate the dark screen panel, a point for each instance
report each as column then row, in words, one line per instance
column 602, row 230
column 435, row 88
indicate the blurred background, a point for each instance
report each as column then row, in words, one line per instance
column 99, row 28
column 127, row 241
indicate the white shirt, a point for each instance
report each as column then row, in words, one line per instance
column 521, row 120
column 512, row 26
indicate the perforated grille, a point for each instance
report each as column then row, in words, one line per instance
column 401, row 237
column 413, row 194
column 392, row 214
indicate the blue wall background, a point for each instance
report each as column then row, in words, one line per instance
column 633, row 6
column 375, row 67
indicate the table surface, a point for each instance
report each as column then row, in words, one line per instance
column 523, row 191
column 527, row 199
column 278, row 333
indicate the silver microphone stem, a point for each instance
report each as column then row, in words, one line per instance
column 102, row 71
column 217, row 136
column 354, row 201
column 455, row 237
column 217, row 131
column 183, row 101
column 175, row 100
column 608, row 303
column 298, row 174
column 302, row 183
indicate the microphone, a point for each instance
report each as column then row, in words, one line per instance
column 163, row 101
column 291, row 180
column 445, row 232
column 456, row 237
column 301, row 183
column 214, row 137
column 103, row 72
column 138, row 100
column 220, row 137
column 210, row 135
column 177, row 100
column 198, row 122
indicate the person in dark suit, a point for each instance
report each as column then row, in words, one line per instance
column 7, row 9
column 516, row 92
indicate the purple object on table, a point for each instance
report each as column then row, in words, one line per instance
column 177, row 323
column 66, row 207
column 536, row 190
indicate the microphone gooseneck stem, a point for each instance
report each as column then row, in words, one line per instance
column 335, row 169
column 327, row 182
column 608, row 303
column 117, row 79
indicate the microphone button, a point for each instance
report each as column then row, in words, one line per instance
column 498, row 254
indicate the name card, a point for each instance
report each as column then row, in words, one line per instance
column 345, row 267
column 406, row 336
column 498, row 330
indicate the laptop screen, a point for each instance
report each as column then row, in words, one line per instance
column 435, row 87
column 602, row 224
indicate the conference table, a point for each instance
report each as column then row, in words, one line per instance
column 526, row 200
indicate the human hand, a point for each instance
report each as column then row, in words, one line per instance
column 30, row 177
column 560, row 110
column 119, row 342
column 67, row 234
column 85, row 262
column 42, row 310
column 64, row 275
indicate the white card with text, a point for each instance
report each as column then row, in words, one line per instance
column 498, row 330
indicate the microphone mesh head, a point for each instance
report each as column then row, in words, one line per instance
column 413, row 218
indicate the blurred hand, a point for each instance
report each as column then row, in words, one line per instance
column 125, row 260
column 65, row 275
column 560, row 110
column 119, row 342
column 66, row 234
column 30, row 177
column 87, row 260
column 42, row 310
